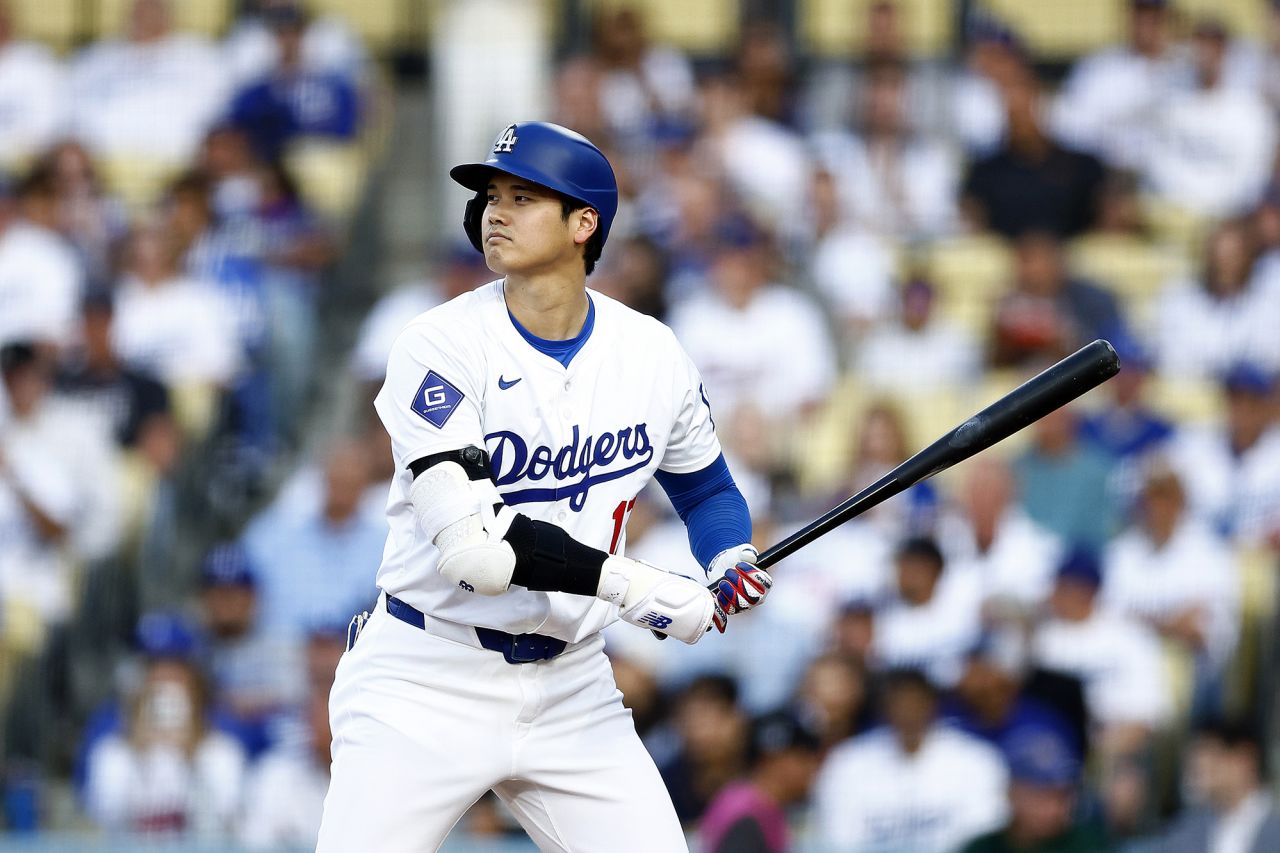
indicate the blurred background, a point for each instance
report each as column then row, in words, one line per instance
column 865, row 219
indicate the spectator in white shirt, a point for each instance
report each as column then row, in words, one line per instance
column 40, row 276
column 1175, row 574
column 991, row 539
column 1232, row 471
column 914, row 785
column 918, row 351
column 934, row 619
column 33, row 94
column 977, row 116
column 1109, row 101
column 179, row 329
column 1202, row 328
column 1213, row 146
column 328, row 44
column 151, row 94
column 91, row 219
column 168, row 774
column 893, row 181
column 791, row 363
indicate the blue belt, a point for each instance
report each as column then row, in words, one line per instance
column 515, row 648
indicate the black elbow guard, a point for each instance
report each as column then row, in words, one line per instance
column 550, row 560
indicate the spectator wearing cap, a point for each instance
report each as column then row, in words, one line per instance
column 33, row 93
column 791, row 364
column 918, row 349
column 150, row 94
column 1173, row 572
column 328, row 43
column 914, row 784
column 933, row 619
column 1126, row 428
column 750, row 815
column 1063, row 482
column 1232, row 810
column 1044, row 782
column 59, row 491
column 40, row 276
column 1111, row 98
column 1213, row 145
column 254, row 675
column 1204, row 326
column 1232, row 470
column 293, row 100
column 167, row 774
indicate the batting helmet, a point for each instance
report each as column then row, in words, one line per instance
column 547, row 154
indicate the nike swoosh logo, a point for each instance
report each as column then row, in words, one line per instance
column 504, row 384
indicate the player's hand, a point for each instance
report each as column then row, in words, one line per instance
column 738, row 583
column 662, row 601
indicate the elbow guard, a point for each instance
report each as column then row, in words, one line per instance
column 458, row 514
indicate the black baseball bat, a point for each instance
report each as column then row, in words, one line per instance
column 1082, row 371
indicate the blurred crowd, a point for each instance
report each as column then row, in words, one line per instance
column 1062, row 645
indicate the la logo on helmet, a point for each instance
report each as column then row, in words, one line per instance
column 506, row 141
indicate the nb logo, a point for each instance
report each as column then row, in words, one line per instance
column 506, row 141
column 468, row 587
column 655, row 620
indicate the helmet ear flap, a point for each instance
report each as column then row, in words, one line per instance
column 471, row 219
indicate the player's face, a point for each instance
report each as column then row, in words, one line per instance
column 524, row 230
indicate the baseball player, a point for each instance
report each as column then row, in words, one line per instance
column 525, row 417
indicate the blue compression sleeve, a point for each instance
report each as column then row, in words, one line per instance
column 711, row 507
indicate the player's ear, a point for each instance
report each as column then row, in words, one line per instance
column 588, row 220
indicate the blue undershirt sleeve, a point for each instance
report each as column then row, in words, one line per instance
column 711, row 507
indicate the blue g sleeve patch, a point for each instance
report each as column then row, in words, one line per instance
column 436, row 399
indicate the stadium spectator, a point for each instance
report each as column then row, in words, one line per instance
column 750, row 815
column 933, row 619
column 918, row 349
column 1062, row 482
column 284, row 792
column 713, row 737
column 155, row 303
column 1214, row 145
column 914, row 784
column 1231, row 806
column 1031, row 183
column 1126, row 427
column 834, row 696
column 791, row 363
column 33, row 94
column 40, row 275
column 635, row 274
column 167, row 773
column 316, row 562
column 1112, row 99
column 328, row 44
column 93, row 220
column 1048, row 313
column 1203, row 327
column 1253, row 60
column 292, row 100
column 1171, row 571
column 976, row 118
column 59, row 490
column 1232, row 470
column 893, row 181
column 882, row 446
column 1044, row 782
column 990, row 538
column 119, row 86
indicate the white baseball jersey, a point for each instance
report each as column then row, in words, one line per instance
column 572, row 445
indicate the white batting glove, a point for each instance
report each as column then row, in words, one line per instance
column 654, row 598
column 737, row 583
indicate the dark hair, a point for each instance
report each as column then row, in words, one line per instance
column 595, row 244
column 39, row 181
column 17, row 355
column 716, row 687
column 921, row 546
column 908, row 677
column 1234, row 733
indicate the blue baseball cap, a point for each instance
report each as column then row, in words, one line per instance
column 1248, row 377
column 1081, row 565
column 227, row 564
column 1040, row 756
column 166, row 634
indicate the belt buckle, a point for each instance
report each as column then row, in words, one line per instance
column 525, row 648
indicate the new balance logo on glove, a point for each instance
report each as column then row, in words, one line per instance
column 655, row 620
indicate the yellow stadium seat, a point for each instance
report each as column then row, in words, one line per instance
column 698, row 26
column 970, row 273
column 208, row 17
column 1135, row 270
column 138, row 181
column 1062, row 29
column 331, row 175
column 839, row 27
column 55, row 22
column 194, row 407
column 823, row 447
column 381, row 24
column 1186, row 400
column 1242, row 17
column 1176, row 229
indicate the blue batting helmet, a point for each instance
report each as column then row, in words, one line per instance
column 551, row 156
